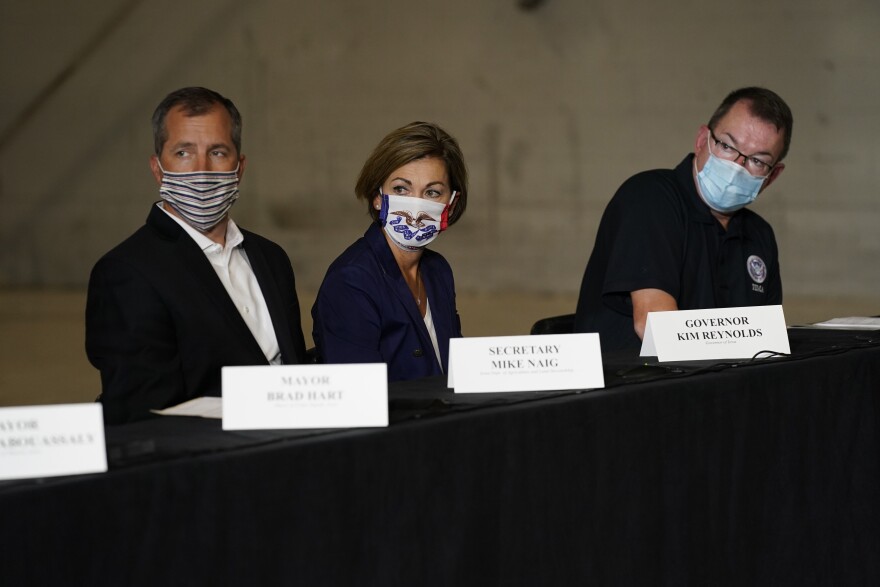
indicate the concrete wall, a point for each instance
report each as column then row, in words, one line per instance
column 554, row 108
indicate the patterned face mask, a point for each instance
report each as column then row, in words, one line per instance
column 202, row 198
column 413, row 222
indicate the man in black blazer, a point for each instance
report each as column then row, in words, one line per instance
column 189, row 292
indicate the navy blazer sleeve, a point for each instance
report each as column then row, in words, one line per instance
column 347, row 318
column 364, row 313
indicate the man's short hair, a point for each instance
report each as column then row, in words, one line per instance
column 194, row 101
column 764, row 104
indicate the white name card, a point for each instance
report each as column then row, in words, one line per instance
column 525, row 363
column 48, row 441
column 305, row 396
column 720, row 333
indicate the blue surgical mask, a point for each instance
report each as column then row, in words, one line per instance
column 727, row 186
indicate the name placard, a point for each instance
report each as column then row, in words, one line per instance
column 525, row 363
column 720, row 333
column 54, row 440
column 305, row 396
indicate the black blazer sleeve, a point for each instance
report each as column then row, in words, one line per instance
column 160, row 325
column 131, row 339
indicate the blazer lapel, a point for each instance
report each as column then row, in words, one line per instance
column 395, row 281
column 272, row 296
column 205, row 278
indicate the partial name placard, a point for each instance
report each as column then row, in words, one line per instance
column 305, row 396
column 720, row 333
column 52, row 440
column 525, row 363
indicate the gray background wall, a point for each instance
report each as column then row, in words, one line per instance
column 554, row 108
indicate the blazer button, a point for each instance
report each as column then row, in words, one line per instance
column 417, row 353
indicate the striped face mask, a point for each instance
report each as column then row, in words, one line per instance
column 202, row 198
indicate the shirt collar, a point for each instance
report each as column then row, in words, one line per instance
column 234, row 237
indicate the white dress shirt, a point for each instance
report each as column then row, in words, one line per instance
column 432, row 332
column 232, row 266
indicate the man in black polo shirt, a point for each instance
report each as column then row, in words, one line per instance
column 681, row 239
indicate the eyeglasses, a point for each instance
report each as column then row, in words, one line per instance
column 752, row 164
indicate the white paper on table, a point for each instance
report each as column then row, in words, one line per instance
column 851, row 323
column 200, row 407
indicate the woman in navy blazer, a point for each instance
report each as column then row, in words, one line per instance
column 387, row 298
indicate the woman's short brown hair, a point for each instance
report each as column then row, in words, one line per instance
column 416, row 140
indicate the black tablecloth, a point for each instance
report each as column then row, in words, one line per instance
column 749, row 473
